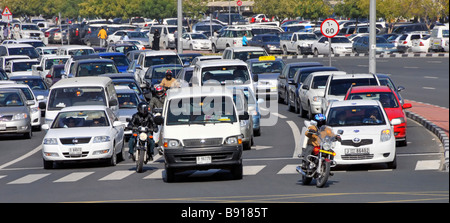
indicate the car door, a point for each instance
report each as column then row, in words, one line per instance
column 291, row 45
column 116, row 132
column 304, row 90
column 323, row 46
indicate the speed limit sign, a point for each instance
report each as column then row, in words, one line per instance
column 329, row 28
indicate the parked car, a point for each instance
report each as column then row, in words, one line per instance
column 15, row 113
column 368, row 136
column 382, row 45
column 269, row 42
column 195, row 41
column 439, row 38
column 421, row 45
column 167, row 39
column 83, row 133
column 407, row 28
column 229, row 37
column 339, row 45
column 299, row 43
column 121, row 48
column 390, row 103
column 405, row 41
column 140, row 37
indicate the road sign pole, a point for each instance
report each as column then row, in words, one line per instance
column 329, row 54
column 329, row 29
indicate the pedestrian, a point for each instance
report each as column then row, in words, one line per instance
column 244, row 40
column 16, row 32
column 156, row 37
column 102, row 35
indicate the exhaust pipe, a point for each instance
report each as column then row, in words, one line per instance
column 299, row 170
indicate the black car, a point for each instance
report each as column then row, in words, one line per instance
column 270, row 42
column 288, row 74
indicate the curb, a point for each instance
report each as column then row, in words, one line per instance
column 437, row 131
column 394, row 55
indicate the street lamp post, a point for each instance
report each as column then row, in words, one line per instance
column 372, row 37
column 179, row 26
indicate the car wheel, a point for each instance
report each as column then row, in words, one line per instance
column 316, row 52
column 47, row 164
column 299, row 51
column 297, row 108
column 213, row 49
column 191, row 48
column 285, row 52
column 237, row 172
column 393, row 164
column 29, row 134
column 310, row 114
column 113, row 160
column 302, row 111
column 170, row 175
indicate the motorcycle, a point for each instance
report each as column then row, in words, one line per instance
column 318, row 165
column 142, row 135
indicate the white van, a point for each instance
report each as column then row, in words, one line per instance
column 223, row 72
column 439, row 38
column 214, row 138
column 81, row 91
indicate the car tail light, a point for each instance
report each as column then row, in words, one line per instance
column 47, row 34
column 421, row 44
column 406, row 42
column 48, row 76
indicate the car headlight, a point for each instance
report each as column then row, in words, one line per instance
column 233, row 140
column 99, row 139
column 20, row 116
column 34, row 110
column 244, row 123
column 50, row 141
column 171, row 143
column 317, row 98
column 385, row 135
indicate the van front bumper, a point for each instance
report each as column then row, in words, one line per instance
column 222, row 157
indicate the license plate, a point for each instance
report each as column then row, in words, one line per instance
column 2, row 126
column 203, row 159
column 357, row 151
column 75, row 151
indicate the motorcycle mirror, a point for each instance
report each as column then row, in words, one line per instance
column 159, row 120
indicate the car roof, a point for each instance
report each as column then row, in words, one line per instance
column 355, row 103
column 94, row 61
column 158, row 53
column 353, row 76
column 198, row 91
column 18, row 45
column 223, row 62
column 81, row 81
column 320, row 73
column 247, row 48
column 83, row 107
column 363, row 89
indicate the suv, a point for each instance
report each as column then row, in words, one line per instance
column 300, row 43
column 229, row 37
column 439, row 38
column 18, row 49
column 338, row 85
column 243, row 53
column 30, row 31
column 390, row 102
column 147, row 59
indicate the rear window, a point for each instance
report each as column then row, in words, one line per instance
column 157, row 60
column 340, row 87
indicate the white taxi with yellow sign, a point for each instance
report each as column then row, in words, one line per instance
column 368, row 136
column 267, row 68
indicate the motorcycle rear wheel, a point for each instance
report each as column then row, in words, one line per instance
column 322, row 178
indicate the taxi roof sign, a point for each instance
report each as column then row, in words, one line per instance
column 261, row 58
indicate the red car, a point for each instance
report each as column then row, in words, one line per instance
column 390, row 102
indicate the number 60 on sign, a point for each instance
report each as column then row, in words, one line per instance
column 329, row 28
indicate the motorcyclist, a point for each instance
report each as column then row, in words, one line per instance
column 160, row 97
column 169, row 81
column 313, row 139
column 142, row 118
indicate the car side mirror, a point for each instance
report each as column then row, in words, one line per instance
column 117, row 124
column 407, row 105
column 255, row 77
column 30, row 103
column 245, row 116
column 113, row 102
column 305, row 87
column 400, row 88
column 45, row 127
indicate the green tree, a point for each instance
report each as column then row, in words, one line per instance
column 314, row 9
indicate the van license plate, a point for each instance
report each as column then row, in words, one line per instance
column 75, row 151
column 203, row 159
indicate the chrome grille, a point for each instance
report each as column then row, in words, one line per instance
column 202, row 142
column 5, row 118
column 83, row 154
column 74, row 141
column 362, row 143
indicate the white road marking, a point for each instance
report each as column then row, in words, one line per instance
column 289, row 169
column 73, row 177
column 252, row 170
column 430, row 77
column 279, row 115
column 428, row 165
column 1, row 176
column 117, row 175
column 297, row 135
column 35, row 150
column 30, row 178
column 155, row 175
column 429, row 88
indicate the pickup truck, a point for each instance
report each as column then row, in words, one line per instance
column 299, row 43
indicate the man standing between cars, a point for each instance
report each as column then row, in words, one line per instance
column 102, row 35
column 156, row 37
column 244, row 40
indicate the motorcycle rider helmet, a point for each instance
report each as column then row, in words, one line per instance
column 159, row 91
column 143, row 108
column 169, row 75
column 320, row 119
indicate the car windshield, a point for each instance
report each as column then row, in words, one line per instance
column 225, row 75
column 341, row 86
column 95, row 69
column 60, row 98
column 24, row 51
column 355, row 116
column 136, row 35
column 158, row 60
column 246, row 55
column 23, row 66
column 34, row 84
column 77, row 119
column 10, row 99
column 340, row 40
column 127, row 100
column 57, row 61
column 125, row 49
column 307, row 37
column 198, row 36
column 201, row 110
column 160, row 72
column 80, row 52
column 267, row 67
column 319, row 82
column 387, row 99
column 119, row 60
column 30, row 27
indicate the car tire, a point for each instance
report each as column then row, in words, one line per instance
column 47, row 164
column 393, row 164
column 316, row 52
column 257, row 132
column 302, row 111
column 285, row 52
column 213, row 49
column 29, row 134
column 237, row 172
column 299, row 51
column 113, row 160
column 170, row 175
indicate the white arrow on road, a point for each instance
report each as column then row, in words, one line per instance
column 261, row 147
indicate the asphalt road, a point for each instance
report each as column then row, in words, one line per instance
column 269, row 170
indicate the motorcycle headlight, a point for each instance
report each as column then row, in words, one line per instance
column 385, row 135
column 143, row 136
column 100, row 139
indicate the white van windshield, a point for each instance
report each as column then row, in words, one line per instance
column 225, row 75
column 60, row 98
column 201, row 110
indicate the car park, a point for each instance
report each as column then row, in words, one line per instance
column 243, row 53
column 195, row 41
column 216, row 121
column 81, row 91
column 382, row 45
column 339, row 45
column 269, row 42
column 390, row 103
column 299, row 43
column 338, row 84
column 365, row 140
column 296, row 83
column 18, row 49
column 83, row 133
column 15, row 113
column 268, row 69
column 287, row 74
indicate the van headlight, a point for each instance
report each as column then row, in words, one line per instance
column 99, row 139
column 244, row 123
column 171, row 143
column 233, row 140
column 385, row 135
